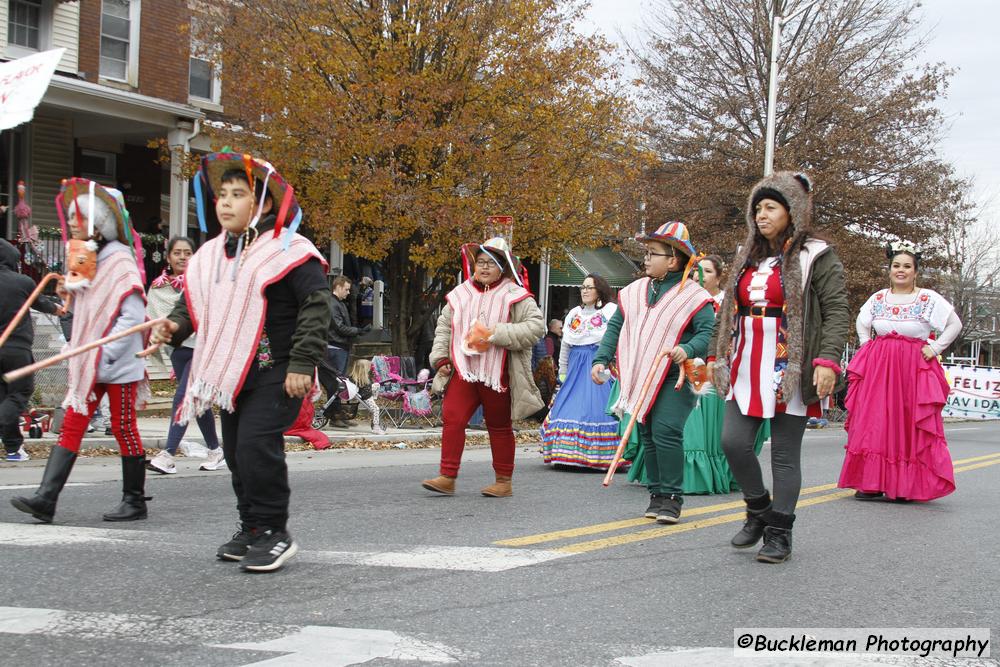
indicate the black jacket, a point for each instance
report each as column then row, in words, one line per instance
column 342, row 333
column 15, row 288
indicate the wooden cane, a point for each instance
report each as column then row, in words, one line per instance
column 631, row 422
column 27, row 305
column 51, row 361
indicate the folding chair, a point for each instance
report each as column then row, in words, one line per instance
column 390, row 393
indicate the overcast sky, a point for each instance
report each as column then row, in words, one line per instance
column 963, row 34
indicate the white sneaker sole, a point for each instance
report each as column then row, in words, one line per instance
column 278, row 562
column 162, row 471
column 218, row 466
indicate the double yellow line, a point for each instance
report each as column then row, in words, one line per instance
column 962, row 465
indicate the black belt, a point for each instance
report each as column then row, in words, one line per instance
column 760, row 311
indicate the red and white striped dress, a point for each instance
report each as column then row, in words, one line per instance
column 753, row 380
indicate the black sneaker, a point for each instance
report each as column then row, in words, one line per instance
column 269, row 551
column 670, row 509
column 236, row 548
column 655, row 500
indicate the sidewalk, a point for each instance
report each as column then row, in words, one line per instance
column 154, row 435
column 154, row 422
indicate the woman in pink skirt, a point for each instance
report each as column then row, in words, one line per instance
column 896, row 447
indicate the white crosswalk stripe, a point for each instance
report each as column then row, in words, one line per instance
column 303, row 646
column 427, row 557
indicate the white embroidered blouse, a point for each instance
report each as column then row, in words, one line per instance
column 584, row 325
column 913, row 315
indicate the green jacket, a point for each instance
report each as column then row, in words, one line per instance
column 826, row 318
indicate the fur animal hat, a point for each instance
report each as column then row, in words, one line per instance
column 794, row 191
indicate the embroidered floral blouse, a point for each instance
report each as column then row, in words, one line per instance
column 584, row 325
column 912, row 315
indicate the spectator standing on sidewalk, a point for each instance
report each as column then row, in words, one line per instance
column 15, row 288
column 163, row 295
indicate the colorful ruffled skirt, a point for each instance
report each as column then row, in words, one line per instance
column 578, row 431
column 895, row 433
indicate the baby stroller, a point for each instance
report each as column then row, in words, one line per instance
column 342, row 406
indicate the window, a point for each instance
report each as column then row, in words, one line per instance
column 120, row 40
column 201, row 81
column 203, row 73
column 98, row 166
column 25, row 23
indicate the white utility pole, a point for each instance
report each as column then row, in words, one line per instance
column 777, row 23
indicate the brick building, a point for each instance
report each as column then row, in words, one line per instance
column 127, row 78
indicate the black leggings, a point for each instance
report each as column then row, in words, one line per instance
column 738, row 435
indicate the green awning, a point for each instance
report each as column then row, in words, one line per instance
column 570, row 269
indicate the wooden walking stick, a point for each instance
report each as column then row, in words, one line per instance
column 634, row 416
column 52, row 361
column 27, row 305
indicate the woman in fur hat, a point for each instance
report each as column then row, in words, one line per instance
column 663, row 311
column 113, row 300
column 783, row 326
column 482, row 346
column 896, row 447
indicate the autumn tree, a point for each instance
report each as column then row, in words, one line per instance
column 404, row 123
column 855, row 109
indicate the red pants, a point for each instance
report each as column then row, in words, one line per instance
column 460, row 402
column 123, row 419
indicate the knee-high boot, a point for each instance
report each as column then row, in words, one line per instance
column 42, row 505
column 133, row 504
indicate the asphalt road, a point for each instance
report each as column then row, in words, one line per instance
column 563, row 573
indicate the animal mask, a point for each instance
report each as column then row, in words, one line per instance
column 81, row 264
column 477, row 340
column 695, row 371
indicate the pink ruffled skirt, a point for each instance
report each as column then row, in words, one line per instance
column 895, row 434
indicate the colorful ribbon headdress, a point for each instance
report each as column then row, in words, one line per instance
column 208, row 181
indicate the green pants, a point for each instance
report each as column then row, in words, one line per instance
column 662, row 437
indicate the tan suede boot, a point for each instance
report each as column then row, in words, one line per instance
column 441, row 484
column 499, row 489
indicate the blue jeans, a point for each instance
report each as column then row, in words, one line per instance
column 338, row 359
column 180, row 359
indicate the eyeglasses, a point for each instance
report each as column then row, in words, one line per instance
column 485, row 264
column 584, row 288
column 657, row 254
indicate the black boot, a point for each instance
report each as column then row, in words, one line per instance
column 133, row 505
column 753, row 527
column 42, row 505
column 777, row 538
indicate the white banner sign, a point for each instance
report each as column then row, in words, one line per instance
column 975, row 392
column 22, row 84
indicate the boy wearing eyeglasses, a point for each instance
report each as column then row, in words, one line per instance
column 663, row 311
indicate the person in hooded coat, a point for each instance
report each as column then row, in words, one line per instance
column 782, row 329
column 15, row 288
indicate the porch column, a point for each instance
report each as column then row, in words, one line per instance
column 543, row 287
column 177, row 139
column 336, row 259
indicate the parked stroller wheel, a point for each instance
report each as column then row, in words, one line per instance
column 35, row 431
